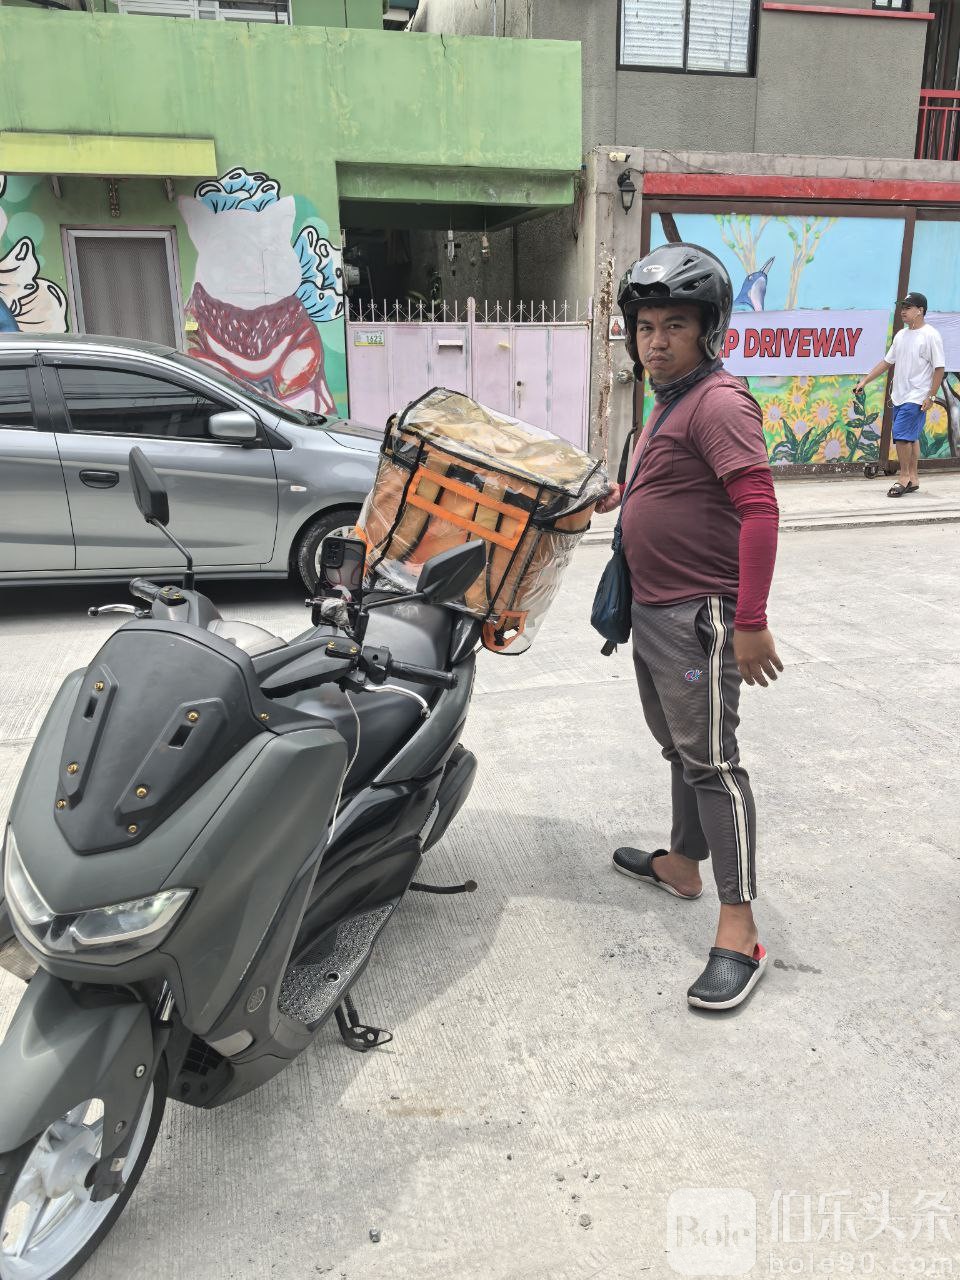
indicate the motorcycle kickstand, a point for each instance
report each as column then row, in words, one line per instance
column 354, row 1033
column 468, row 886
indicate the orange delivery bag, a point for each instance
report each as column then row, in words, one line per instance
column 452, row 471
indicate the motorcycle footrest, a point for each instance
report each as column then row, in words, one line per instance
column 314, row 986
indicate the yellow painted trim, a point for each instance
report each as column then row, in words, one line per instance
column 107, row 155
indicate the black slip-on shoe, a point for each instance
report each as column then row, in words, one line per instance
column 638, row 863
column 728, row 979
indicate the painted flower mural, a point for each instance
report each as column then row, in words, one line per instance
column 27, row 301
column 260, row 291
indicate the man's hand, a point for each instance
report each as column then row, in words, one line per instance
column 610, row 500
column 756, row 656
column 860, row 386
column 927, row 404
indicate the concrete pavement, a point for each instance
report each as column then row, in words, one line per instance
column 838, row 502
column 548, row 1090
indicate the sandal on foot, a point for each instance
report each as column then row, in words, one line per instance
column 728, row 979
column 896, row 490
column 911, row 488
column 639, row 864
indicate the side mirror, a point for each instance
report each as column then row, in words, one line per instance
column 447, row 576
column 234, row 425
column 149, row 491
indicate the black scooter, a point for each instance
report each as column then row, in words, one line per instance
column 211, row 832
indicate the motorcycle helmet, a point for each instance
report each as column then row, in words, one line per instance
column 679, row 273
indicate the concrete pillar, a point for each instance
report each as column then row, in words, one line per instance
column 616, row 239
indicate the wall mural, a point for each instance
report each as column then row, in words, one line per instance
column 260, row 289
column 27, row 301
column 809, row 270
column 934, row 267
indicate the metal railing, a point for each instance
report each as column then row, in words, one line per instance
column 938, row 127
column 416, row 312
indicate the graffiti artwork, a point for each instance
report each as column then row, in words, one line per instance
column 260, row 291
column 28, row 302
column 813, row 304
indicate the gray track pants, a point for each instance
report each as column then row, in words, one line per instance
column 690, row 690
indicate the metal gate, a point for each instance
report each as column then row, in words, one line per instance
column 532, row 362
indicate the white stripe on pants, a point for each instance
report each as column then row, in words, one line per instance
column 690, row 690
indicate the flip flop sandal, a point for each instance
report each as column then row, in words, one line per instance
column 728, row 979
column 639, row 864
column 911, row 488
column 896, row 491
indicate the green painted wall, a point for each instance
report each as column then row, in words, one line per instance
column 361, row 14
column 287, row 104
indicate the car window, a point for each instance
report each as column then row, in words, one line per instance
column 16, row 411
column 119, row 402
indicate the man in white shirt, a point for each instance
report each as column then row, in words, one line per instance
column 916, row 355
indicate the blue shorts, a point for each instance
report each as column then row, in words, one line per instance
column 908, row 422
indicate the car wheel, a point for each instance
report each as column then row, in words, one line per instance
column 342, row 522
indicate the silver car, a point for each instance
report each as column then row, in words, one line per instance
column 254, row 486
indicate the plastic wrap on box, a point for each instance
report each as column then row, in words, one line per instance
column 452, row 470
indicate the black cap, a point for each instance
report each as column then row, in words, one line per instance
column 915, row 300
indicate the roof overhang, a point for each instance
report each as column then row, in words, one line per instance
column 406, row 196
column 94, row 155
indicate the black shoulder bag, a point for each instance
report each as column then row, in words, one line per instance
column 614, row 598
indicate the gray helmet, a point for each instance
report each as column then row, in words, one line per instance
column 679, row 273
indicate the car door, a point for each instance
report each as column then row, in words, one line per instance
column 36, row 536
column 223, row 495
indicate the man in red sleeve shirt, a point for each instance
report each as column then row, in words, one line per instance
column 699, row 527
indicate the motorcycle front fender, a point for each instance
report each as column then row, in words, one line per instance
column 66, row 1046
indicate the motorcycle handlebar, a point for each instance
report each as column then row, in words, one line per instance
column 421, row 675
column 143, row 589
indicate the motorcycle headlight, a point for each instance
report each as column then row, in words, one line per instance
column 21, row 893
column 108, row 935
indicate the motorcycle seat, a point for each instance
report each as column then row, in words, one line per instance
column 247, row 636
column 413, row 632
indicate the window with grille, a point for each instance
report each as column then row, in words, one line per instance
column 209, row 10
column 123, row 284
column 688, row 35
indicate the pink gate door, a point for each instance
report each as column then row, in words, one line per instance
column 531, row 363
column 537, row 372
column 393, row 362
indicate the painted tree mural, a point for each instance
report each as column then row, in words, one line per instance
column 741, row 234
column 805, row 235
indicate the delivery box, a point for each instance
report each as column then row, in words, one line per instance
column 452, row 470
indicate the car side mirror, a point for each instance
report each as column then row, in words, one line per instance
column 235, row 425
column 448, row 576
column 149, row 491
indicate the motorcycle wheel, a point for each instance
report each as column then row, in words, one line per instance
column 49, row 1226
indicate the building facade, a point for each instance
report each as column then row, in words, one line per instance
column 811, row 146
column 187, row 181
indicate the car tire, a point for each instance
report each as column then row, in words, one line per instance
column 307, row 552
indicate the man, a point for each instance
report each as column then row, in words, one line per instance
column 699, row 525
column 916, row 355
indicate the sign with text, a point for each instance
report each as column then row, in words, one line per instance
column 369, row 338
column 777, row 343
